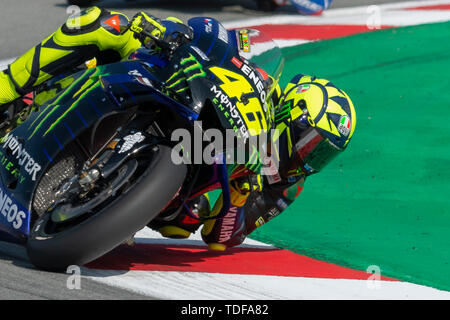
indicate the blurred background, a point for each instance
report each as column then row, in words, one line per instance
column 385, row 201
column 24, row 23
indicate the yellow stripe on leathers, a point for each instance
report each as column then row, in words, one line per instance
column 124, row 44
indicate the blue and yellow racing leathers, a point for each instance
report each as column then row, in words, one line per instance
column 96, row 33
column 108, row 37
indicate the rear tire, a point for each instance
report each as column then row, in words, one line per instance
column 108, row 228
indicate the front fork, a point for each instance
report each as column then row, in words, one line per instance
column 116, row 154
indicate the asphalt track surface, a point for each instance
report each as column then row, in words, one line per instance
column 25, row 23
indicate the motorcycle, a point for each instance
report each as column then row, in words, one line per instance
column 90, row 163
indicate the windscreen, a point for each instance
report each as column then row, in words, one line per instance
column 260, row 49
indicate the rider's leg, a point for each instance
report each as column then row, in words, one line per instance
column 96, row 32
column 183, row 225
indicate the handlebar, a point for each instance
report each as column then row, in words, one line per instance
column 169, row 43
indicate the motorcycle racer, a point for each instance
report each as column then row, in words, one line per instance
column 96, row 33
column 316, row 120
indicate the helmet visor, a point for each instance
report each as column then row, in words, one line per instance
column 315, row 151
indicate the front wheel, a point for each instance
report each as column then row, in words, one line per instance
column 55, row 248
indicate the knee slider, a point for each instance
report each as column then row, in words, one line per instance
column 85, row 20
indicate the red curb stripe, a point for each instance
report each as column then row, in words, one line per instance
column 311, row 32
column 435, row 7
column 247, row 261
column 241, row 260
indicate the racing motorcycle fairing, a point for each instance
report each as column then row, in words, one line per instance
column 94, row 95
column 208, row 73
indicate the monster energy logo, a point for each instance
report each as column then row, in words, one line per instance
column 284, row 112
column 236, row 118
column 190, row 70
column 11, row 167
column 194, row 66
column 22, row 156
column 90, row 84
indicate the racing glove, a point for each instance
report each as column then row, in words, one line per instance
column 145, row 27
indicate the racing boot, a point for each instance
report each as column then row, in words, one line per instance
column 183, row 225
column 230, row 231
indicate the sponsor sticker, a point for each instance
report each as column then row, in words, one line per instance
column 139, row 78
column 231, row 110
column 208, row 26
column 112, row 24
column 303, row 88
column 273, row 212
column 238, row 63
column 344, row 125
column 200, row 53
column 223, row 34
column 255, row 77
column 144, row 81
column 11, row 167
column 282, row 204
column 259, row 222
column 20, row 153
column 244, row 40
column 271, row 171
column 130, row 141
column 227, row 226
column 135, row 73
column 11, row 211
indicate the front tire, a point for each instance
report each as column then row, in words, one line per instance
column 109, row 227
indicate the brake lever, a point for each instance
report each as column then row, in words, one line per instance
column 167, row 47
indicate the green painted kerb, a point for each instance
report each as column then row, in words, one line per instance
column 386, row 200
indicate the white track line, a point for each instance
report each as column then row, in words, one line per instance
column 204, row 286
column 389, row 14
column 148, row 236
